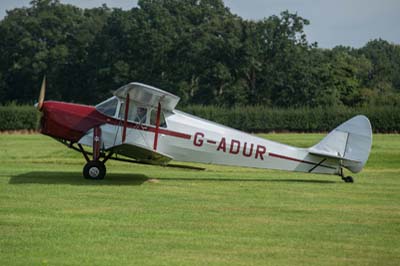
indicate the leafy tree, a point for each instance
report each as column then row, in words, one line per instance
column 196, row 49
column 47, row 38
column 385, row 59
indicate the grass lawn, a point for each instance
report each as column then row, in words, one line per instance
column 148, row 215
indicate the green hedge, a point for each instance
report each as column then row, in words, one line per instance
column 248, row 118
column 13, row 117
column 262, row 119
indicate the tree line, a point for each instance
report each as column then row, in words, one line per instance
column 196, row 49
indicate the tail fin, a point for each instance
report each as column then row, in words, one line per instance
column 350, row 142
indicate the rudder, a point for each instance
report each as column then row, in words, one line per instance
column 351, row 142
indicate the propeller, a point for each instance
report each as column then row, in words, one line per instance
column 42, row 94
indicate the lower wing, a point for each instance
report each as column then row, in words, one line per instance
column 141, row 153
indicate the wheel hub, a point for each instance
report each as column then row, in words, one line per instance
column 94, row 172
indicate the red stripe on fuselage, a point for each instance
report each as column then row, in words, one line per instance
column 297, row 160
column 289, row 158
column 137, row 126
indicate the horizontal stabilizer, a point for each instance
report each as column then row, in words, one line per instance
column 141, row 153
column 331, row 155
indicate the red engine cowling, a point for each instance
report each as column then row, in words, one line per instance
column 69, row 121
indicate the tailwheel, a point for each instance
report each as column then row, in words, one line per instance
column 348, row 179
column 94, row 170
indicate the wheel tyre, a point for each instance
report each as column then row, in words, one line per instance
column 94, row 170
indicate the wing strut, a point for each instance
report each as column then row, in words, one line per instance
column 125, row 118
column 157, row 127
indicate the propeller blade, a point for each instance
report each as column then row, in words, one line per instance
column 42, row 94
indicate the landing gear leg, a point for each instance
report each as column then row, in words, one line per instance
column 347, row 179
column 95, row 169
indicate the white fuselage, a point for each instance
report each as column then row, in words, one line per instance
column 192, row 139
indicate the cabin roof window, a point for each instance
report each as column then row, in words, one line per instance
column 108, row 107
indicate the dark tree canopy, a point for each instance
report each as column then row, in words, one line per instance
column 196, row 49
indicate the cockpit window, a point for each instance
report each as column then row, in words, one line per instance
column 136, row 113
column 153, row 118
column 141, row 115
column 108, row 107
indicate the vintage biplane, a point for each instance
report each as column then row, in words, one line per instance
column 140, row 122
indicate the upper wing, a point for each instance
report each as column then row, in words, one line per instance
column 141, row 153
column 148, row 95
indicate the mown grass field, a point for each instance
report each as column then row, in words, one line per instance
column 147, row 215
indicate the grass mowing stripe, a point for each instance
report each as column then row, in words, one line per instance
column 148, row 215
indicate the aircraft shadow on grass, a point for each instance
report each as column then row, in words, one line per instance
column 266, row 180
column 75, row 178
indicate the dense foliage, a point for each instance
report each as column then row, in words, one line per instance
column 248, row 118
column 196, row 49
column 256, row 119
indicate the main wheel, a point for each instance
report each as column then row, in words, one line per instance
column 94, row 170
